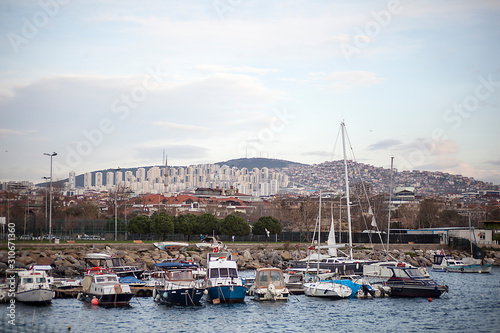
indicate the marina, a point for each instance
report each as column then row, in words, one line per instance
column 472, row 299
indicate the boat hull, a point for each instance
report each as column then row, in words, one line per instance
column 327, row 290
column 416, row 291
column 182, row 296
column 119, row 299
column 35, row 296
column 227, row 294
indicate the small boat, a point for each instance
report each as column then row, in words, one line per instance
column 381, row 269
column 102, row 287
column 178, row 286
column 327, row 289
column 410, row 282
column 446, row 263
column 171, row 246
column 211, row 244
column 223, row 282
column 32, row 286
column 294, row 281
column 269, row 285
column 113, row 264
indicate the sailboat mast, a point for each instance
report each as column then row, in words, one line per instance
column 319, row 231
column 347, row 191
column 389, row 212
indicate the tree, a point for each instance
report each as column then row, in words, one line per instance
column 139, row 225
column 162, row 223
column 451, row 218
column 272, row 224
column 428, row 214
column 234, row 225
column 185, row 224
column 208, row 224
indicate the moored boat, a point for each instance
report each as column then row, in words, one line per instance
column 327, row 289
column 178, row 286
column 32, row 286
column 113, row 264
column 410, row 282
column 269, row 285
column 223, row 282
column 101, row 287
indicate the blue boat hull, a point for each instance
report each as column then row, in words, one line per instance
column 185, row 296
column 227, row 294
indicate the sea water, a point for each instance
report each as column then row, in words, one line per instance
column 472, row 305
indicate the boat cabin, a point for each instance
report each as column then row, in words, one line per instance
column 266, row 276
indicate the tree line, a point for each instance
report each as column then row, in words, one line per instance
column 162, row 224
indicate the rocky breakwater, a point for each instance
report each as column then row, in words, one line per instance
column 70, row 262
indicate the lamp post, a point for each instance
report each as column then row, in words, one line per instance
column 116, row 207
column 46, row 199
column 50, row 200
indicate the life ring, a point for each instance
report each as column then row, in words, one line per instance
column 118, row 288
column 216, row 249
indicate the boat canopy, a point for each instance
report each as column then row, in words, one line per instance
column 172, row 265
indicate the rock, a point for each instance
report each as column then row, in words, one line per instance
column 120, row 254
column 286, row 256
column 247, row 255
column 45, row 261
column 25, row 260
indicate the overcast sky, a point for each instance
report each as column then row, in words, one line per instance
column 109, row 84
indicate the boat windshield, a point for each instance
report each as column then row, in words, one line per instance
column 40, row 280
column 27, row 280
column 223, row 272
column 276, row 278
column 102, row 279
column 414, row 273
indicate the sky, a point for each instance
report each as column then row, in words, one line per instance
column 108, row 84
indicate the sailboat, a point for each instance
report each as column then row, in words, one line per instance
column 325, row 288
column 332, row 262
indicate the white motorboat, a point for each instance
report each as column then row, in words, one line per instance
column 211, row 244
column 32, row 286
column 327, row 288
column 101, row 287
column 269, row 285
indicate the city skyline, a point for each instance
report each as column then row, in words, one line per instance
column 113, row 84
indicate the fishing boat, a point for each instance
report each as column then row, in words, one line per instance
column 269, row 285
column 409, row 282
column 113, row 264
column 223, row 282
column 171, row 246
column 32, row 286
column 178, row 287
column 294, row 281
column 101, row 287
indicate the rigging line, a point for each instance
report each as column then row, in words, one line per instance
column 364, row 190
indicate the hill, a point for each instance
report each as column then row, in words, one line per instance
column 260, row 163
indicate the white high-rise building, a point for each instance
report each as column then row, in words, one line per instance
column 72, row 180
column 87, row 180
column 98, row 179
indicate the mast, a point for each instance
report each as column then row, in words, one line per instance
column 319, row 232
column 389, row 213
column 347, row 190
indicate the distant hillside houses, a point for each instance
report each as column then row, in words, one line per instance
column 255, row 182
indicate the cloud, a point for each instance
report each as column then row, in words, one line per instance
column 182, row 127
column 345, row 80
column 316, row 153
column 493, row 162
column 384, row 144
column 234, row 69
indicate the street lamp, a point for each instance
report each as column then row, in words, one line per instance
column 50, row 204
column 116, row 207
column 46, row 199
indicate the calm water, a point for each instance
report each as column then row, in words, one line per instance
column 472, row 305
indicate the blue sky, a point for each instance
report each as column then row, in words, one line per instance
column 109, row 84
